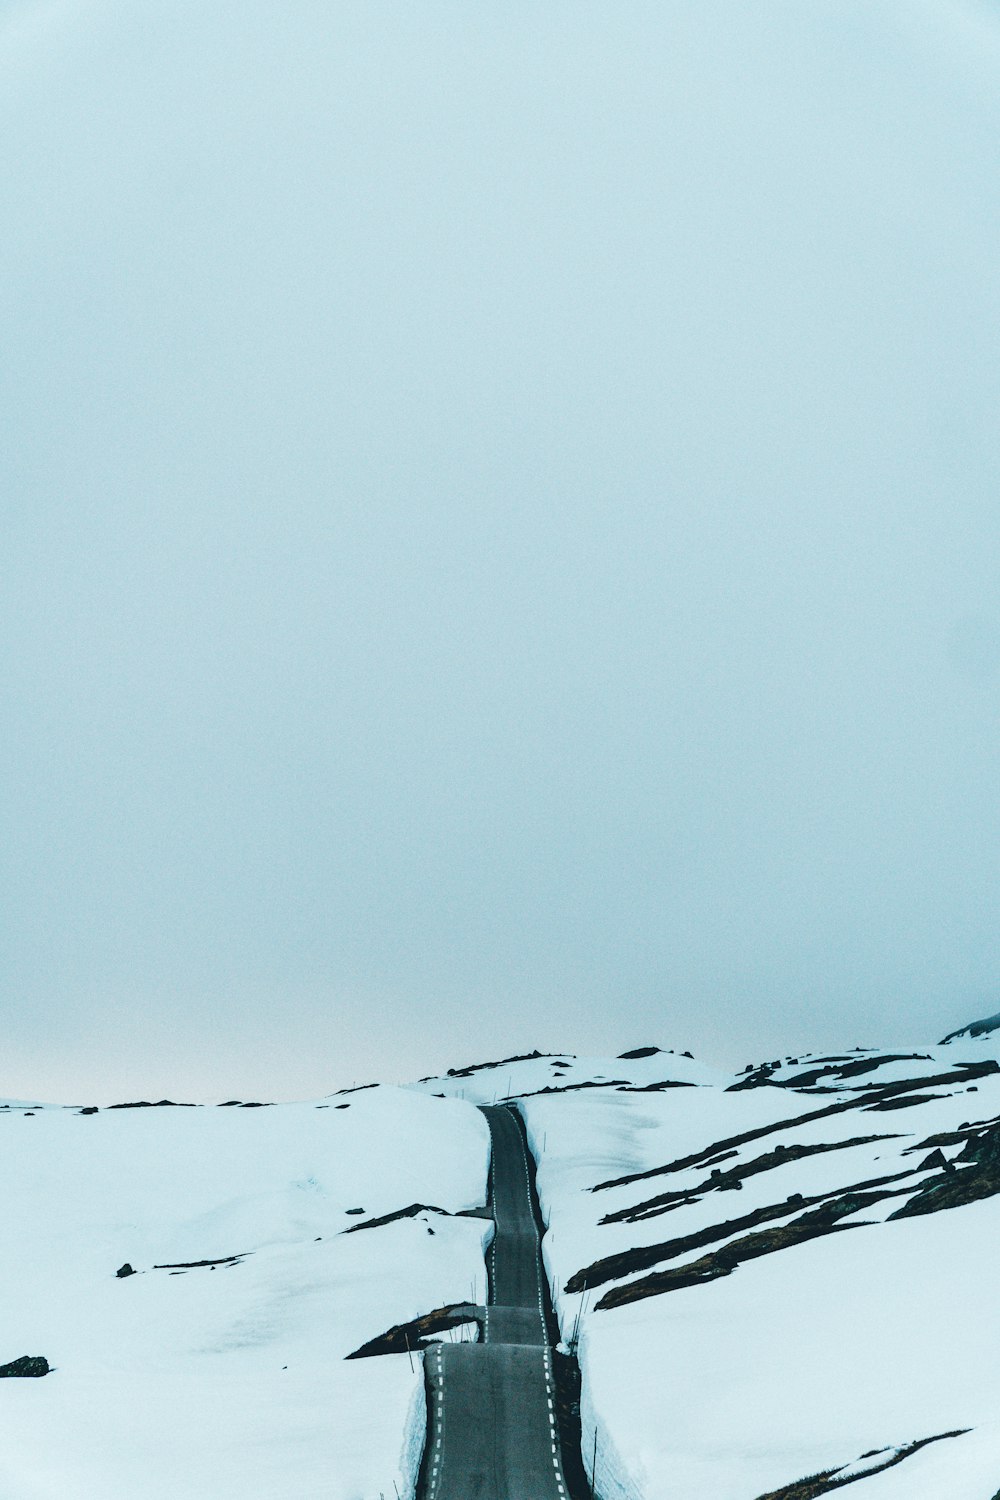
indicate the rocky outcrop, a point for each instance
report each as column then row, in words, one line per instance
column 406, row 1338
column 973, row 1174
column 29, row 1367
column 974, row 1029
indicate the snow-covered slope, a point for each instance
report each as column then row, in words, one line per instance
column 772, row 1276
column 227, row 1381
column 777, row 1283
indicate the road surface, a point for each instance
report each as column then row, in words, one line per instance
column 492, row 1431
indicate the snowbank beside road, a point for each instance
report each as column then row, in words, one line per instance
column 807, row 1354
column 804, row 1361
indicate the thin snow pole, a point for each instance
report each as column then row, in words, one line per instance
column 593, row 1467
column 579, row 1316
column 406, row 1338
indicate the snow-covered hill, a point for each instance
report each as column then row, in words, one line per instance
column 227, row 1381
column 778, row 1278
column 777, row 1284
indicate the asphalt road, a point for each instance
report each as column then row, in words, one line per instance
column 491, row 1417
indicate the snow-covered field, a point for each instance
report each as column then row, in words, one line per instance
column 795, row 1356
column 779, row 1275
column 227, row 1382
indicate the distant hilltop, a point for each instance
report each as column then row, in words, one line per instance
column 975, row 1028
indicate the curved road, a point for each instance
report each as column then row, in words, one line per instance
column 492, row 1431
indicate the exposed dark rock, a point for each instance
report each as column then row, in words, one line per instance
column 957, row 1137
column 816, row 1485
column 126, row 1270
column 718, row 1180
column 636, row 1053
column 720, row 1148
column 826, row 1209
column 500, row 1063
column 195, row 1265
column 754, row 1079
column 353, row 1211
column 808, row 1226
column 150, row 1104
column 656, row 1088
column 719, row 1263
column 642, row 1257
column 982, row 1147
column 974, row 1029
column 867, row 1099
column 28, row 1367
column 973, row 1175
column 89, row 1109
column 410, row 1212
column 840, row 1068
column 571, row 1088
column 907, row 1102
column 854, row 1200
column 408, row 1337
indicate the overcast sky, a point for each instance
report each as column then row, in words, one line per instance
column 500, row 537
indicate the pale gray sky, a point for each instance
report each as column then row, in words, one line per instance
column 500, row 533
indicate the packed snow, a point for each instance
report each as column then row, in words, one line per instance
column 781, row 1274
column 800, row 1361
column 228, row 1382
